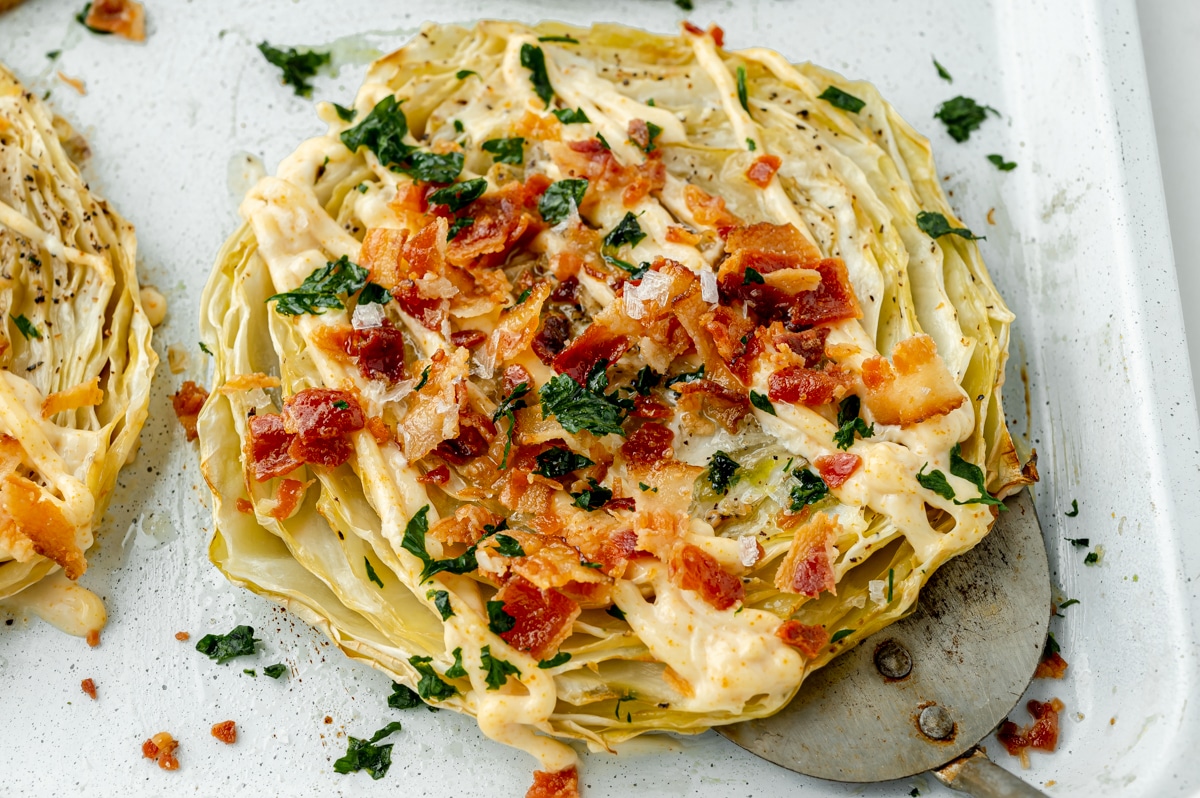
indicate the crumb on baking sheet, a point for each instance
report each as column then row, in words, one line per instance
column 89, row 687
column 181, row 636
column 93, row 637
column 161, row 748
column 177, row 359
column 74, row 83
column 328, row 719
column 187, row 402
column 225, row 731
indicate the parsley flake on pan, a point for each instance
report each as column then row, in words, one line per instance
column 276, row 670
column 1074, row 511
column 561, row 198
column 963, row 115
column 297, row 67
column 942, row 73
column 533, row 59
column 722, row 472
column 81, row 18
column 1001, row 164
column 222, row 648
column 365, row 755
column 840, row 99
column 403, row 697
column 320, row 290
column 935, row 225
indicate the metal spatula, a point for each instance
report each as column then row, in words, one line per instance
column 920, row 694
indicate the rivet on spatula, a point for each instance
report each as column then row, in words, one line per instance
column 893, row 660
column 935, row 722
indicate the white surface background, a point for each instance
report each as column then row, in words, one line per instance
column 1079, row 249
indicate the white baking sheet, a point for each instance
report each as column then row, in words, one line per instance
column 1080, row 249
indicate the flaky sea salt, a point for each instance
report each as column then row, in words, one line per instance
column 708, row 287
column 367, row 317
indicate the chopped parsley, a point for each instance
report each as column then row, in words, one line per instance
column 1051, row 648
column 962, row 115
column 603, row 141
column 593, row 498
column 935, row 481
column 463, row 74
column 571, row 116
column 840, row 99
column 497, row 670
column 560, row 39
column 320, row 289
column 458, row 226
column 342, row 404
column 840, row 634
column 561, row 198
column 297, row 67
column 250, row 672
column 942, row 73
column 741, row 89
column 382, row 132
column 345, row 114
column 644, row 487
column 499, row 621
column 459, row 195
column 752, row 277
column 1001, row 164
column 509, row 546
column 365, row 755
column 1081, row 543
column 891, row 583
column 54, row 54
column 645, row 380
column 1092, row 558
column 521, row 299
column 558, row 462
column 433, row 167
column 849, row 423
column 26, row 327
column 561, row 658
column 458, row 126
column 508, row 408
column 374, row 294
column 1074, row 511
column 626, row 231
column 762, row 403
column 751, row 145
column 81, row 18
column 509, row 151
column 589, row 408
column 403, row 697
column 722, row 472
column 424, row 379
column 371, row 575
column 652, row 132
column 964, row 469
column 533, row 59
column 1068, row 603
column 205, row 349
column 935, row 225
column 914, row 793
column 431, row 685
column 275, row 671
column 222, row 648
column 687, row 376
column 616, row 612
column 456, row 671
column 686, row 5
column 414, row 543
column 441, row 600
column 810, row 490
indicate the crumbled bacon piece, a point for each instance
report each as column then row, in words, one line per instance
column 621, row 503
column 836, row 468
column 468, row 525
column 832, row 300
column 1051, row 666
column 707, row 210
column 808, row 640
column 89, row 687
column 161, row 748
column 320, row 418
column 708, row 398
column 800, row 385
column 93, row 635
column 434, row 410
column 914, row 386
column 187, row 403
column 379, row 350
column 552, row 338
column 429, row 311
column 597, row 344
column 288, row 495
column 501, row 219
column 542, row 618
column 225, row 731
column 35, row 519
column 125, row 18
column 267, row 447
column 642, row 180
column 808, row 567
column 763, row 169
column 435, row 476
column 468, row 338
column 808, row 344
column 650, row 407
column 559, row 784
column 648, row 446
column 695, row 30
column 639, row 133
column 382, row 254
column 692, row 568
column 475, row 433
column 565, row 291
column 1042, row 734
column 515, row 375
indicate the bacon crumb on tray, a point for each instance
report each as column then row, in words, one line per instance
column 181, row 636
column 1041, row 735
column 225, row 731
column 560, row 784
column 89, row 686
column 188, row 401
column 161, row 748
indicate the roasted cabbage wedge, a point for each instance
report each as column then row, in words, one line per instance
column 75, row 361
column 596, row 382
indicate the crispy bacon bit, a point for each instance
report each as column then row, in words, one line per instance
column 1052, row 666
column 1041, row 735
column 681, row 235
column 379, row 351
column 836, row 468
column 320, row 419
column 648, row 446
column 182, row 636
column 808, row 344
column 643, row 179
column 622, row 502
column 800, row 385
column 692, row 568
column 808, row 567
column 542, row 618
column 267, row 447
column 468, row 338
column 466, row 526
column 93, row 638
column 288, row 496
column 639, row 133
column 381, row 254
column 244, row 506
column 86, row 394
column 27, row 510
column 914, row 386
column 187, row 403
column 771, row 247
column 552, row 337
column 763, row 169
column 832, row 300
column 475, row 434
column 597, row 344
column 717, row 34
column 707, row 210
column 435, row 476
column 125, row 18
column 565, row 291
column 560, row 784
column 433, row 416
column 695, row 30
column 808, row 640
column 705, row 397
column 161, row 748
column 89, row 687
column 650, row 407
column 514, row 375
column 730, row 330
column 501, row 219
column 225, row 731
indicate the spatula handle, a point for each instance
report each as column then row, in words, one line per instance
column 978, row 776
